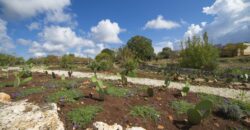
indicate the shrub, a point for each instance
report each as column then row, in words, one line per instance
column 145, row 112
column 185, row 89
column 181, row 106
column 116, row 91
column 199, row 54
column 230, row 111
column 66, row 95
column 30, row 91
column 84, row 115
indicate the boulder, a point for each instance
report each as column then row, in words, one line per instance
column 4, row 98
column 23, row 115
column 103, row 126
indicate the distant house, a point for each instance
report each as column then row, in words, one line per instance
column 245, row 51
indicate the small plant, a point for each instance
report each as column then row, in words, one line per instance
column 63, row 77
column 124, row 79
column 70, row 73
column 167, row 82
column 46, row 73
column 185, row 89
column 68, row 95
column 145, row 112
column 181, row 106
column 83, row 115
column 242, row 96
column 26, row 71
column 115, row 91
column 53, row 75
column 201, row 111
column 230, row 111
column 100, row 88
column 94, row 66
column 150, row 92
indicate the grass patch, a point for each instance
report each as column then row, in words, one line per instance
column 30, row 91
column 118, row 92
column 6, row 84
column 215, row 99
column 84, row 115
column 66, row 95
column 145, row 112
column 181, row 106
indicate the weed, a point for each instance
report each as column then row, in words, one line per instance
column 181, row 106
column 145, row 112
column 67, row 95
column 117, row 92
column 84, row 115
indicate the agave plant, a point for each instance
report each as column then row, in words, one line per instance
column 199, row 112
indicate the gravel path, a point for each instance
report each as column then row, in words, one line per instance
column 224, row 92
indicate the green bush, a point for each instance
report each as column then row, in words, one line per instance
column 199, row 54
column 181, row 106
column 84, row 115
column 30, row 91
column 145, row 112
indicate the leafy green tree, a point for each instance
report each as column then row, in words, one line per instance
column 106, row 59
column 141, row 47
column 67, row 61
column 165, row 53
column 199, row 54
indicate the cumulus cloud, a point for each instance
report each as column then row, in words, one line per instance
column 231, row 21
column 5, row 41
column 161, row 23
column 106, row 32
column 193, row 30
column 58, row 40
column 54, row 10
column 24, row 42
column 158, row 46
column 34, row 26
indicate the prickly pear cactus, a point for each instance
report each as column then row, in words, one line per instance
column 205, row 107
column 17, row 81
column 194, row 116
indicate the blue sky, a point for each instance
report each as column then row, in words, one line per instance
column 33, row 28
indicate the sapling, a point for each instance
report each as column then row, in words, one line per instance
column 100, row 88
column 185, row 89
column 167, row 82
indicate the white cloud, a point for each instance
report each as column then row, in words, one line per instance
column 158, row 46
column 5, row 41
column 34, row 26
column 21, row 9
column 161, row 23
column 193, row 30
column 106, row 32
column 24, row 41
column 231, row 21
column 58, row 40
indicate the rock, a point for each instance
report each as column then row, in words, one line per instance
column 16, row 116
column 216, row 124
column 160, row 127
column 199, row 80
column 103, row 126
column 170, row 118
column 179, row 78
column 158, row 98
column 4, row 98
column 246, row 121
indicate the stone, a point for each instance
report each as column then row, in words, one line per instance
column 4, row 98
column 170, row 118
column 199, row 80
column 135, row 128
column 216, row 124
column 103, row 126
column 246, row 121
column 160, row 127
column 15, row 115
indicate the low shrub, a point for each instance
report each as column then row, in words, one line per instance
column 65, row 95
column 181, row 106
column 145, row 112
column 117, row 92
column 30, row 91
column 84, row 115
column 230, row 111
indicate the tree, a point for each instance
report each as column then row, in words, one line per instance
column 165, row 53
column 106, row 59
column 67, row 61
column 141, row 47
column 199, row 54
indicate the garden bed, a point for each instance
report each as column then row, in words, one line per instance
column 122, row 105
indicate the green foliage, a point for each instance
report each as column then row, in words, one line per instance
column 83, row 115
column 106, row 59
column 67, row 95
column 150, row 92
column 94, row 66
column 26, row 71
column 185, row 89
column 181, row 106
column 19, row 80
column 167, row 82
column 141, row 47
column 30, row 91
column 230, row 111
column 124, row 79
column 202, row 110
column 145, row 112
column 67, row 61
column 63, row 77
column 199, row 55
column 6, row 60
column 165, row 53
column 117, row 92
